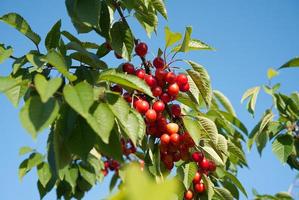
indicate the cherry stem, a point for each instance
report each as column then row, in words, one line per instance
column 123, row 18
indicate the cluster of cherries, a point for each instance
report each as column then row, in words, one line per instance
column 111, row 165
column 127, row 146
column 205, row 167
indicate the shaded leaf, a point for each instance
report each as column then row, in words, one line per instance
column 282, row 147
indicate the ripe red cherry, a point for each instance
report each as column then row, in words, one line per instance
column 173, row 89
column 157, row 91
column 150, row 80
column 142, row 106
column 176, row 110
column 198, row 157
column 170, row 77
column 188, row 195
column 129, row 68
column 172, row 128
column 165, row 139
column 185, row 87
column 127, row 97
column 151, row 115
column 181, row 79
column 140, row 73
column 204, row 164
column 104, row 172
column 165, row 98
column 141, row 49
column 175, row 139
column 117, row 88
column 117, row 55
column 199, row 187
column 159, row 106
column 212, row 166
column 160, row 74
column 197, row 178
column 176, row 156
column 158, row 62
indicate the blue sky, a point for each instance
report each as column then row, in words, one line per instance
column 250, row 37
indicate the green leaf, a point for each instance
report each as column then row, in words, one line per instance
column 36, row 116
column 5, row 52
column 160, row 7
column 18, row 63
column 208, row 128
column 222, row 144
column 58, row 61
column 71, row 176
column 88, row 174
column 282, row 147
column 185, row 45
column 79, row 97
column 236, row 151
column 122, row 40
column 193, row 128
column 25, row 150
column 105, row 119
column 224, row 193
column 201, row 78
column 195, row 44
column 135, row 181
column 236, row 182
column 209, row 186
column 291, row 63
column 34, row 160
column 19, row 23
column 271, row 73
column 15, row 93
column 134, row 126
column 171, row 37
column 7, row 83
column 224, row 102
column 85, row 14
column 235, row 121
column 71, row 37
column 44, row 173
column 213, row 155
column 53, row 37
column 106, row 19
column 23, row 169
column 189, row 170
column 251, row 94
column 35, row 59
column 126, row 80
column 46, row 89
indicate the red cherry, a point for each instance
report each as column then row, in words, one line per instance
column 165, row 139
column 168, row 158
column 159, row 106
column 163, row 147
column 212, row 166
column 142, row 106
column 169, row 166
column 160, row 74
column 117, row 88
column 175, row 139
column 152, row 130
column 197, row 178
column 188, row 195
column 173, row 89
column 172, row 128
column 199, row 187
column 106, row 164
column 141, row 49
column 204, row 164
column 140, row 73
column 185, row 87
column 176, row 110
column 165, row 98
column 151, row 115
column 176, row 156
column 150, row 80
column 181, row 79
column 117, row 55
column 198, row 157
column 170, row 77
column 129, row 68
column 157, row 91
column 104, row 172
column 127, row 97
column 158, row 62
